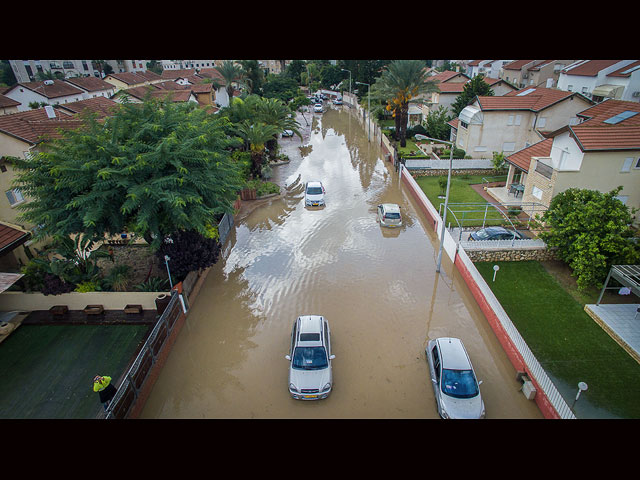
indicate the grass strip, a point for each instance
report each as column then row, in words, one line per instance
column 568, row 343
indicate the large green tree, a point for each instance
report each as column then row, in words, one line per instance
column 400, row 84
column 153, row 168
column 591, row 231
column 474, row 87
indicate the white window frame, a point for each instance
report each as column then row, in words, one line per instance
column 508, row 146
column 14, row 196
column 536, row 192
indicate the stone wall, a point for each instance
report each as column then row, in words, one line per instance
column 512, row 255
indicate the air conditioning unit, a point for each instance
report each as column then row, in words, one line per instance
column 48, row 82
column 525, row 75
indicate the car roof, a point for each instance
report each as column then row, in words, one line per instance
column 495, row 229
column 314, row 183
column 391, row 207
column 310, row 330
column 453, row 354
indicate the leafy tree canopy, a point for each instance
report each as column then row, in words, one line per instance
column 154, row 168
column 591, row 231
column 475, row 86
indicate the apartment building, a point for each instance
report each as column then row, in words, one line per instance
column 602, row 79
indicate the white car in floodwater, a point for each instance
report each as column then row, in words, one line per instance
column 389, row 215
column 310, row 375
column 314, row 194
column 454, row 382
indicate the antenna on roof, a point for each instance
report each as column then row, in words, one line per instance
column 51, row 113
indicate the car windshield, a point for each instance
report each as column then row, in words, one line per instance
column 459, row 383
column 314, row 190
column 392, row 215
column 310, row 358
column 482, row 234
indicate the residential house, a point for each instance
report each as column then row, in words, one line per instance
column 92, row 87
column 478, row 67
column 535, row 73
column 451, row 84
column 616, row 79
column 50, row 92
column 600, row 153
column 515, row 120
column 127, row 80
column 21, row 135
column 8, row 105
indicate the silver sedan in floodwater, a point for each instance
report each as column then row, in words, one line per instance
column 310, row 375
column 454, row 382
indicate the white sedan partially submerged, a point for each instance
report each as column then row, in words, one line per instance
column 454, row 382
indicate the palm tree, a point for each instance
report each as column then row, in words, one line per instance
column 256, row 135
column 273, row 111
column 399, row 85
column 231, row 73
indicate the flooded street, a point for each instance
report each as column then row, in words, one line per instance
column 377, row 288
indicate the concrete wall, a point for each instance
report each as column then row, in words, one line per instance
column 27, row 302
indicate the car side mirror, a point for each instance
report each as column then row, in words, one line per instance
column 288, row 357
column 331, row 357
column 480, row 383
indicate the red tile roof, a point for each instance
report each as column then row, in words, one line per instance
column 8, row 102
column 522, row 158
column 445, row 76
column 594, row 134
column 618, row 73
column 129, row 78
column 451, row 87
column 173, row 74
column 516, row 64
column 540, row 63
column 90, row 84
column 54, row 90
column 101, row 105
column 32, row 125
column 11, row 237
column 538, row 99
column 590, row 68
column 453, row 123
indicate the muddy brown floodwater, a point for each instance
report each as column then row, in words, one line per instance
column 377, row 287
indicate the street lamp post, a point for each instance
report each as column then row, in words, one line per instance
column 368, row 107
column 446, row 201
column 345, row 70
column 166, row 262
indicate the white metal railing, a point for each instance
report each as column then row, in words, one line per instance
column 520, row 244
column 536, row 370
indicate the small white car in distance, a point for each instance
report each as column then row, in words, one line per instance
column 310, row 374
column 318, row 108
column 454, row 382
column 314, row 194
column 389, row 215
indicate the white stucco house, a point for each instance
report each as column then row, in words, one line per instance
column 602, row 79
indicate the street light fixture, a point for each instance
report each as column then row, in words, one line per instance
column 345, row 70
column 368, row 107
column 446, row 201
column 166, row 262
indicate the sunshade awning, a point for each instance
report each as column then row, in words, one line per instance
column 8, row 279
column 609, row 91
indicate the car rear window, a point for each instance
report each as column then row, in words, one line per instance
column 459, row 383
column 392, row 215
column 314, row 190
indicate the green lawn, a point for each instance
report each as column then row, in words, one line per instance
column 47, row 370
column 460, row 192
column 566, row 341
